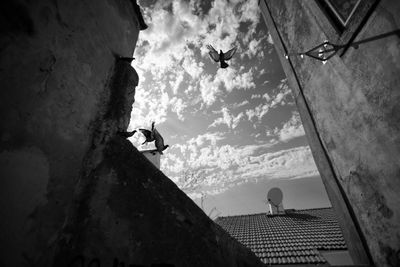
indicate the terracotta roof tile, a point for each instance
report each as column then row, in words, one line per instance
column 294, row 237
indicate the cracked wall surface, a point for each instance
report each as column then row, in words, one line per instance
column 72, row 192
column 354, row 102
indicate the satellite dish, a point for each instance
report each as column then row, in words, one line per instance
column 275, row 196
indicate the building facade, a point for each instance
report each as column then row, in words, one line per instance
column 347, row 93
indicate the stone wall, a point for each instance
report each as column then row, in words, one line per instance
column 353, row 101
column 66, row 193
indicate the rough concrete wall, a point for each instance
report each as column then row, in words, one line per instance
column 70, row 190
column 354, row 102
column 55, row 60
column 129, row 212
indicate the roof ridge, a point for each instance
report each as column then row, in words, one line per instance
column 264, row 213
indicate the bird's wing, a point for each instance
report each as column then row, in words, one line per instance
column 146, row 133
column 228, row 55
column 213, row 53
column 158, row 137
column 159, row 140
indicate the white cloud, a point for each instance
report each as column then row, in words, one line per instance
column 291, row 129
column 231, row 79
column 228, row 78
column 192, row 67
column 228, row 119
column 178, row 106
column 178, row 81
column 208, row 89
column 228, row 165
column 280, row 98
column 210, row 138
column 291, row 163
column 241, row 104
column 258, row 112
column 149, row 106
column 253, row 48
column 283, row 92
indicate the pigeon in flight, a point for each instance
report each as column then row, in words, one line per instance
column 126, row 134
column 221, row 57
column 159, row 142
column 149, row 134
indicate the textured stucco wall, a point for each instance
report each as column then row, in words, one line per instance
column 354, row 100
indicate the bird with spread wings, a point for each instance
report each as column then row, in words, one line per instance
column 221, row 57
column 154, row 135
column 149, row 134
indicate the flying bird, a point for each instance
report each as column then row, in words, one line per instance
column 126, row 134
column 159, row 142
column 221, row 57
column 149, row 134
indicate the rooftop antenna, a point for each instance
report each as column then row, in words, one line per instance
column 274, row 198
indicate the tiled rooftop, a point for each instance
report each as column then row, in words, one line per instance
column 294, row 237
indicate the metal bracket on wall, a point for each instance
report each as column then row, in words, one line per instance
column 327, row 50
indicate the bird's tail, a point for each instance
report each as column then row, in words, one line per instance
column 224, row 64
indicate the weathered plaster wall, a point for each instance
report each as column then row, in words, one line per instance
column 70, row 189
column 56, row 58
column 354, row 100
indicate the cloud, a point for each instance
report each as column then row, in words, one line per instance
column 283, row 92
column 253, row 48
column 229, row 79
column 281, row 97
column 291, row 129
column 178, row 106
column 192, row 67
column 150, row 106
column 228, row 119
column 207, row 138
column 258, row 112
column 165, row 43
column 227, row 165
column 291, row 163
column 178, row 81
column 241, row 104
column 208, row 89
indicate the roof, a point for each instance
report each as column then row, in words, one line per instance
column 294, row 237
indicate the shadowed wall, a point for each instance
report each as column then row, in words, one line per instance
column 351, row 114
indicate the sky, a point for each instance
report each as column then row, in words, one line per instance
column 233, row 133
